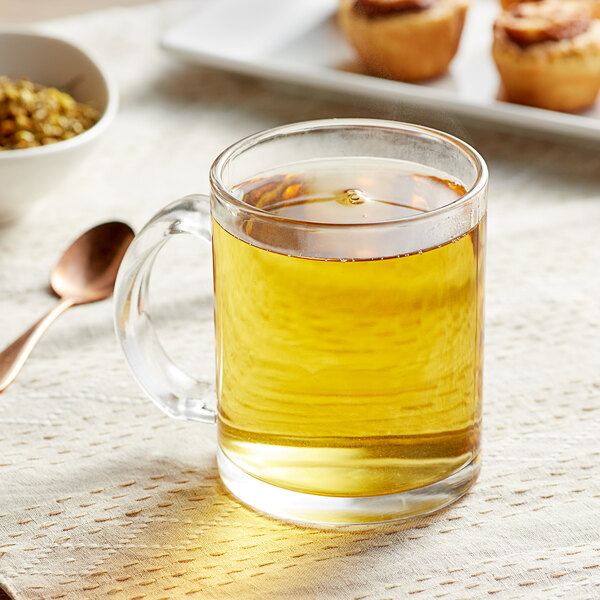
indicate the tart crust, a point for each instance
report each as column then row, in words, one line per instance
column 410, row 45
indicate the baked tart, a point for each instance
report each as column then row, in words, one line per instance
column 548, row 54
column 407, row 40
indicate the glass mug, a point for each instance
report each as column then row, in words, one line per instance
column 348, row 261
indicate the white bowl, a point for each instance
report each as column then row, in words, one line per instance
column 27, row 174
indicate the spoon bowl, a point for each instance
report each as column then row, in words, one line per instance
column 87, row 270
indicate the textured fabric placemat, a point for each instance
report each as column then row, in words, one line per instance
column 103, row 496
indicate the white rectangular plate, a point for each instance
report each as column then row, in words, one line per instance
column 298, row 41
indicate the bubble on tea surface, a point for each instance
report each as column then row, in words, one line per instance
column 351, row 198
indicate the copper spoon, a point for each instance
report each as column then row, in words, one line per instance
column 85, row 273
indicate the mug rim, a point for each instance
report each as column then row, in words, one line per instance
column 239, row 147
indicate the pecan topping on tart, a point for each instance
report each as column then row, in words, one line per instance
column 385, row 8
column 553, row 20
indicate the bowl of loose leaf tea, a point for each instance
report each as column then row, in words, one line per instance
column 55, row 102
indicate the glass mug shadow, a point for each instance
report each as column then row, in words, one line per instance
column 348, row 264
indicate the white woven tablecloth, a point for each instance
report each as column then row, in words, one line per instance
column 102, row 496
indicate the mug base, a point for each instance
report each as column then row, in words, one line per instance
column 326, row 511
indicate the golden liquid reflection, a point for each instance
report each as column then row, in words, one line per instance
column 192, row 539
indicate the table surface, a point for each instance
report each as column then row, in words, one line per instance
column 28, row 11
column 103, row 496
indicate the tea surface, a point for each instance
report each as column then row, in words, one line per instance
column 365, row 190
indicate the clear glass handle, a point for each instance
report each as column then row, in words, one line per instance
column 174, row 391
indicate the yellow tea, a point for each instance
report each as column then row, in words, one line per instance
column 357, row 374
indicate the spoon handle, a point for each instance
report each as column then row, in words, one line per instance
column 13, row 358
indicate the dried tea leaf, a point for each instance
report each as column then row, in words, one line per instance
column 34, row 115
